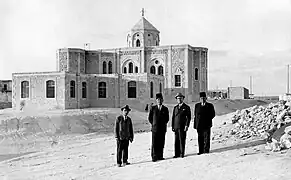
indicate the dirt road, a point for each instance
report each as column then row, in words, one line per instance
column 90, row 157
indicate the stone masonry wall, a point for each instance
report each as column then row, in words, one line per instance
column 92, row 62
column 37, row 91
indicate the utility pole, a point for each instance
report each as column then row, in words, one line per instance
column 251, row 86
column 287, row 79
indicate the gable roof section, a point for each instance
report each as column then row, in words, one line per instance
column 144, row 24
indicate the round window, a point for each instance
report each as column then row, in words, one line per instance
column 157, row 62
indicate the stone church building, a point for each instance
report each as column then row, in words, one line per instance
column 115, row 77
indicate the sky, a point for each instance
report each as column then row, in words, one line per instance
column 244, row 37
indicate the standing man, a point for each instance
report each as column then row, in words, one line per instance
column 123, row 133
column 158, row 117
column 204, row 113
column 180, row 122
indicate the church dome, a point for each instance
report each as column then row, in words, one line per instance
column 144, row 24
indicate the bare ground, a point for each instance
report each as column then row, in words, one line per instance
column 90, row 155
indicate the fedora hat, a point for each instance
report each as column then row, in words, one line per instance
column 202, row 94
column 159, row 95
column 126, row 107
column 179, row 95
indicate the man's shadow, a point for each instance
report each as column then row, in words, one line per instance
column 218, row 150
column 236, row 146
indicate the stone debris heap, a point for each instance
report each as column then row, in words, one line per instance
column 263, row 122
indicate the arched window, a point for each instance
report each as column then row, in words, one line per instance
column 72, row 89
column 84, row 90
column 131, row 89
column 102, row 90
column 104, row 68
column 160, row 70
column 138, row 43
column 161, row 88
column 24, row 89
column 50, row 89
column 136, row 69
column 130, row 67
column 196, row 74
column 124, row 70
column 152, row 90
column 153, row 70
column 110, row 67
column 177, row 80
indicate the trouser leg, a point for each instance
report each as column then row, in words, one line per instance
column 125, row 150
column 154, row 146
column 162, row 143
column 182, row 142
column 177, row 143
column 207, row 135
column 200, row 141
column 119, row 152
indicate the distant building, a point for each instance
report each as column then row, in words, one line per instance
column 5, row 90
column 272, row 98
column 238, row 93
column 217, row 94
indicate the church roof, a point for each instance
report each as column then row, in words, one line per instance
column 144, row 24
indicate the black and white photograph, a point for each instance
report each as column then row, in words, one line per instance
column 145, row 90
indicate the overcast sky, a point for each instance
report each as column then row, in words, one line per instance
column 245, row 37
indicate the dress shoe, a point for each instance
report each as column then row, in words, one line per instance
column 175, row 156
column 199, row 153
column 154, row 160
column 126, row 163
column 118, row 165
column 182, row 155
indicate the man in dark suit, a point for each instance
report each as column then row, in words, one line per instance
column 158, row 117
column 180, row 122
column 204, row 113
column 123, row 131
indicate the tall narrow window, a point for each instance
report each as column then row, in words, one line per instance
column 153, row 70
column 177, row 80
column 124, row 70
column 110, row 67
column 138, row 43
column 104, row 68
column 136, row 69
column 5, row 87
column 102, row 90
column 161, row 88
column 131, row 89
column 72, row 89
column 196, row 74
column 50, row 89
column 130, row 67
column 84, row 90
column 24, row 89
column 152, row 90
column 160, row 70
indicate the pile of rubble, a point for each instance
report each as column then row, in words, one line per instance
column 260, row 121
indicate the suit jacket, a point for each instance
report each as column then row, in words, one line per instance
column 123, row 128
column 181, row 116
column 203, row 116
column 159, row 118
